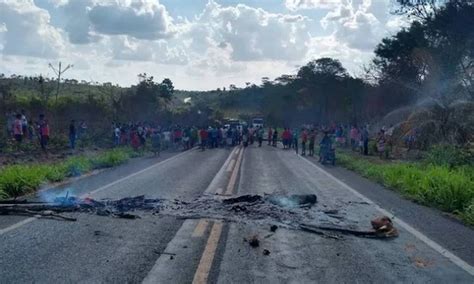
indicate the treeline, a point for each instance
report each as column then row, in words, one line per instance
column 432, row 58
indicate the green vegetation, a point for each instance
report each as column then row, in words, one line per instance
column 18, row 180
column 432, row 182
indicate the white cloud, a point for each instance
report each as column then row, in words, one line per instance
column 77, row 26
column 142, row 19
column 27, row 30
column 311, row 4
column 329, row 46
column 252, row 33
column 361, row 24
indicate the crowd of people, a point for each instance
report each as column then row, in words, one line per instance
column 304, row 139
column 136, row 134
column 176, row 137
column 22, row 130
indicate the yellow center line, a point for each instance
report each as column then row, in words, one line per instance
column 233, row 177
column 205, row 264
column 200, row 228
column 230, row 166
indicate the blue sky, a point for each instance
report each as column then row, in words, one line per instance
column 198, row 44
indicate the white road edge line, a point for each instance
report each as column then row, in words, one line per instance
column 29, row 220
column 16, row 225
column 437, row 247
column 137, row 173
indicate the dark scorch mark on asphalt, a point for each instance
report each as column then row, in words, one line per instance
column 291, row 212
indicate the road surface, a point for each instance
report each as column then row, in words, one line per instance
column 165, row 249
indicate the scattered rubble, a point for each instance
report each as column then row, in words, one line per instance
column 382, row 228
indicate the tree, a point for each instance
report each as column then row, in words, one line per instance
column 166, row 89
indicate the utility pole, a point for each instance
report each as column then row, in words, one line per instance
column 59, row 72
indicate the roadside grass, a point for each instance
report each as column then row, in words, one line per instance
column 17, row 180
column 441, row 185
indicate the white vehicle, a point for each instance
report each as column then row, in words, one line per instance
column 257, row 122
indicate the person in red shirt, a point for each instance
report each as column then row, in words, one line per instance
column 135, row 139
column 304, row 139
column 286, row 136
column 43, row 131
column 203, row 134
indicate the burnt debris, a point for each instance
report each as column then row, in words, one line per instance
column 291, row 212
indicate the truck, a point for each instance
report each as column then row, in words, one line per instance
column 257, row 122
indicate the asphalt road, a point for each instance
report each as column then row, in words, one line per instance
column 165, row 249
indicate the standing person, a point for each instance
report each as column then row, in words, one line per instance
column 178, row 137
column 187, row 138
column 312, row 139
column 43, row 131
column 229, row 139
column 304, row 140
column 123, row 135
column 285, row 138
column 365, row 141
column 275, row 138
column 167, row 138
column 156, row 142
column 24, row 123
column 117, row 135
column 381, row 143
column 203, row 136
column 340, row 136
column 251, row 135
column 260, row 136
column 270, row 136
column 72, row 134
column 325, row 147
column 135, row 139
column 245, row 136
column 354, row 133
column 389, row 138
column 31, row 131
column 194, row 136
column 82, row 129
column 295, row 139
column 214, row 134
column 141, row 134
column 18, row 130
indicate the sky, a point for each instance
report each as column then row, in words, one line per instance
column 198, row 44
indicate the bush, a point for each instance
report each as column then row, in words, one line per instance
column 442, row 186
column 449, row 156
column 55, row 173
column 76, row 166
column 110, row 158
column 3, row 194
column 18, row 180
column 468, row 214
